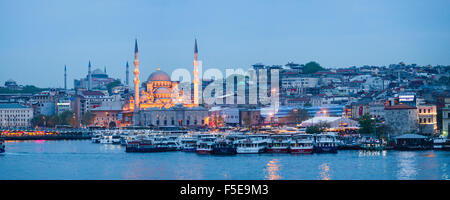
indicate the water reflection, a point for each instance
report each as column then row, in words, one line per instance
column 324, row 170
column 368, row 153
column 406, row 165
column 444, row 172
column 273, row 168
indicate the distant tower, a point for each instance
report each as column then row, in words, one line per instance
column 196, row 80
column 136, row 77
column 89, row 76
column 127, row 74
column 105, row 69
column 65, row 78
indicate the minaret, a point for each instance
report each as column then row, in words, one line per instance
column 89, row 76
column 105, row 69
column 196, row 81
column 136, row 77
column 65, row 78
column 127, row 75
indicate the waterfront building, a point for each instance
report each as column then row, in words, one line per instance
column 359, row 109
column 108, row 115
column 85, row 101
column 376, row 110
column 250, row 117
column 427, row 119
column 401, row 119
column 178, row 116
column 15, row 115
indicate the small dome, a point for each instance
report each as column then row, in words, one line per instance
column 162, row 90
column 158, row 76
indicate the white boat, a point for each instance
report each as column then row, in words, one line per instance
column 106, row 139
column 252, row 144
column 325, row 143
column 205, row 145
column 279, row 144
column 188, row 144
column 115, row 139
column 96, row 138
column 441, row 143
column 302, row 143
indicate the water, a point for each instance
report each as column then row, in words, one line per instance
column 81, row 159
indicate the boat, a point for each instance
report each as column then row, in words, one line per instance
column 106, row 139
column 278, row 144
column 144, row 146
column 96, row 138
column 188, row 144
column 302, row 144
column 441, row 143
column 325, row 143
column 115, row 139
column 223, row 147
column 204, row 145
column 252, row 144
column 2, row 145
column 371, row 144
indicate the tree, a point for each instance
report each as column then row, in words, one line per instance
column 317, row 129
column 312, row 67
column 38, row 120
column 87, row 119
column 366, row 124
column 65, row 117
column 113, row 84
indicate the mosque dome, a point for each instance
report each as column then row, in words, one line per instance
column 98, row 71
column 159, row 76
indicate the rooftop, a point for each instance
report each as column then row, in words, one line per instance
column 399, row 107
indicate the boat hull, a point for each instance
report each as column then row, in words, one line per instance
column 193, row 149
column 224, row 151
column 203, row 151
column 302, row 151
column 277, row 150
column 325, row 149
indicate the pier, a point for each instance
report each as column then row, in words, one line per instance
column 45, row 134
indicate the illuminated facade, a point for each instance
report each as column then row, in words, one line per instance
column 157, row 102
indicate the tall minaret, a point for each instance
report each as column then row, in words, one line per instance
column 196, row 81
column 65, row 78
column 105, row 70
column 127, row 75
column 89, row 76
column 136, row 77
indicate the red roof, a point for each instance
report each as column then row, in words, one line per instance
column 399, row 106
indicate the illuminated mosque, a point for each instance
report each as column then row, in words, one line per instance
column 158, row 103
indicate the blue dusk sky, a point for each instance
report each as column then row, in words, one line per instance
column 39, row 37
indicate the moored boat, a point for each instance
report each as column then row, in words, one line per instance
column 278, row 144
column 188, row 144
column 252, row 144
column 223, row 147
column 302, row 144
column 325, row 143
column 204, row 145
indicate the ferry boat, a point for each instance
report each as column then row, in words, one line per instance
column 252, row 144
column 278, row 144
column 188, row 144
column 2, row 145
column 223, row 147
column 441, row 143
column 325, row 143
column 204, row 145
column 144, row 146
column 371, row 144
column 106, row 139
column 302, row 144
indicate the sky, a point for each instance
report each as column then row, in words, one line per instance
column 39, row 37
